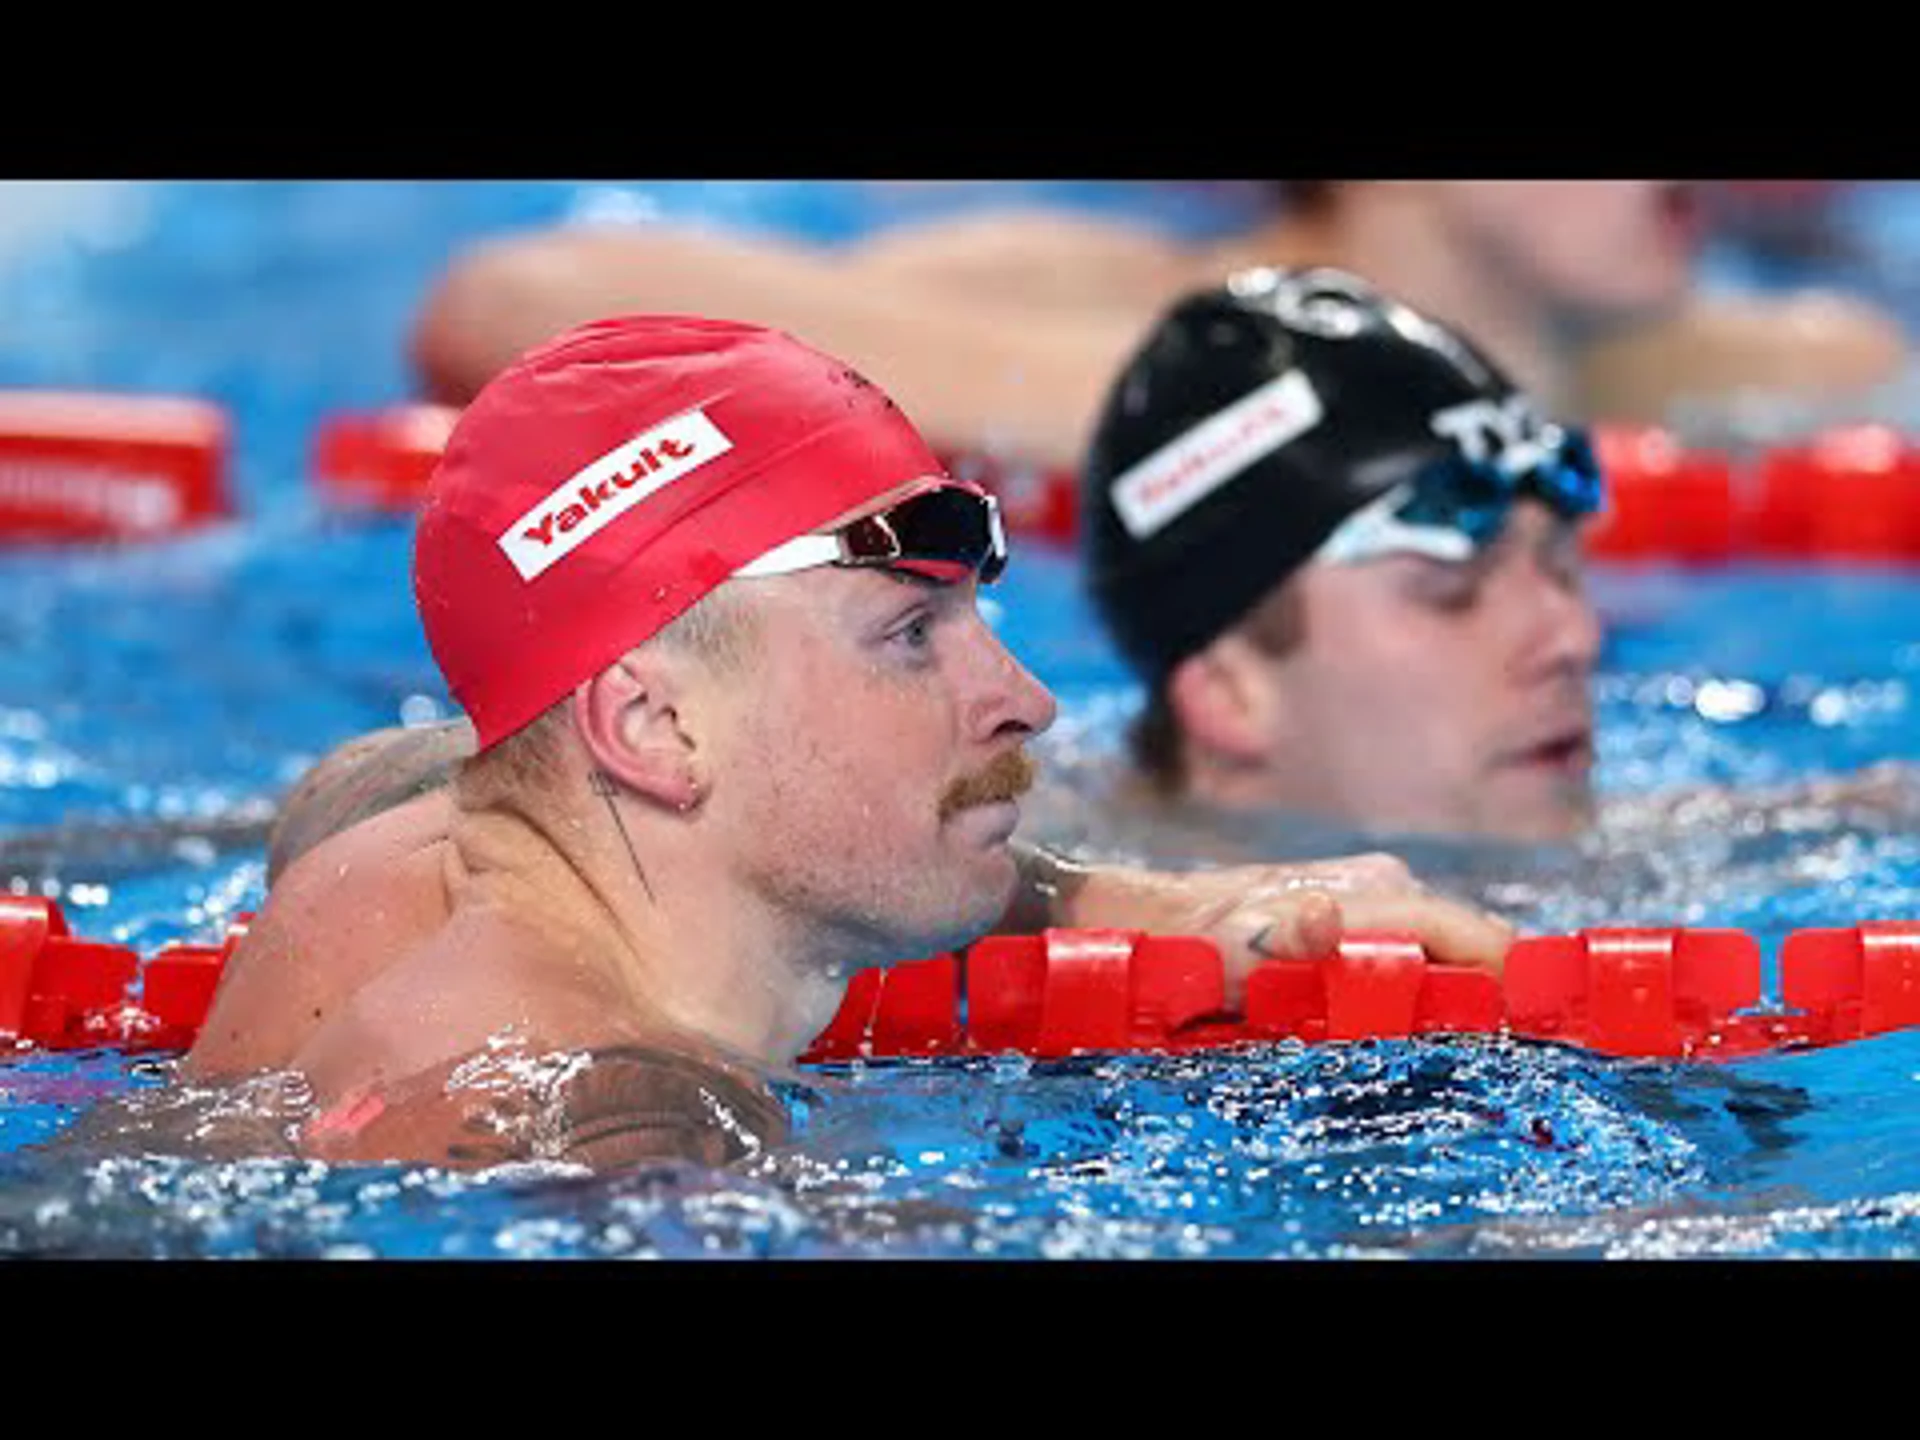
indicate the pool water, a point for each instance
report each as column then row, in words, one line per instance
column 188, row 682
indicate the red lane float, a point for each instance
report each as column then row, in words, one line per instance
column 1375, row 986
column 78, row 466
column 1663, row 499
column 1851, row 493
column 1649, row 992
column 381, row 459
column 59, row 992
column 1642, row 992
column 1658, row 993
column 92, row 466
column 177, row 985
column 1073, row 990
column 1863, row 980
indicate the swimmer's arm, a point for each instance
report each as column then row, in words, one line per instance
column 607, row 1108
column 1254, row 912
column 975, row 374
column 628, row 1104
column 1040, row 258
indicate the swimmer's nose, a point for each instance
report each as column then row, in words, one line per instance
column 1573, row 631
column 1565, row 634
column 1010, row 700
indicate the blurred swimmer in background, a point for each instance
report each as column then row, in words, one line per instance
column 999, row 329
column 1340, row 549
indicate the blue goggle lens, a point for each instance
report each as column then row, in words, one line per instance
column 1474, row 497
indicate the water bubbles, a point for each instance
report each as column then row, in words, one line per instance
column 196, row 850
column 33, row 772
column 1009, row 1068
column 420, row 710
column 1829, row 707
column 28, row 725
column 1725, row 701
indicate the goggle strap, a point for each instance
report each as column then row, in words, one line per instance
column 1375, row 530
column 803, row 552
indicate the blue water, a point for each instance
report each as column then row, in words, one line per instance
column 192, row 680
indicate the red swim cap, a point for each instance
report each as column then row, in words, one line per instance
column 606, row 480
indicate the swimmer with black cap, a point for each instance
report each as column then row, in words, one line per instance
column 740, row 730
column 1342, row 551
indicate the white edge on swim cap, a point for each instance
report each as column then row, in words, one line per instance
column 1372, row 532
column 1152, row 494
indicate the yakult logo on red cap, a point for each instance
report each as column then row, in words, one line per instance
column 586, row 503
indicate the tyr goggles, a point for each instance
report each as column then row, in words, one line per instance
column 1451, row 506
column 947, row 532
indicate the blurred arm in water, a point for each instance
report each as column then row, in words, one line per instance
column 999, row 330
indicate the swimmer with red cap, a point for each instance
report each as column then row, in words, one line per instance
column 740, row 731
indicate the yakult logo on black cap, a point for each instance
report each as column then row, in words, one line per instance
column 583, row 505
column 1180, row 474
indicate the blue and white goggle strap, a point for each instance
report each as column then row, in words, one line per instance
column 1556, row 462
column 1376, row 529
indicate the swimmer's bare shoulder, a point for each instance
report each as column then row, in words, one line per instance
column 341, row 913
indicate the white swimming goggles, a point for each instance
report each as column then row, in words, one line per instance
column 947, row 532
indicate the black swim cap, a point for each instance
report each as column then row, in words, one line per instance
column 1255, row 418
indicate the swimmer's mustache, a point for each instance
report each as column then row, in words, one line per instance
column 1007, row 777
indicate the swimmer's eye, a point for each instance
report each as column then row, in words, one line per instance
column 916, row 632
column 1449, row 588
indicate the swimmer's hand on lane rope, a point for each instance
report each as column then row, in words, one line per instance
column 1298, row 911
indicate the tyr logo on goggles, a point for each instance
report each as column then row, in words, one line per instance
column 948, row 532
column 1458, row 502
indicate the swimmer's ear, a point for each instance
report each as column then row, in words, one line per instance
column 629, row 719
column 1227, row 704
